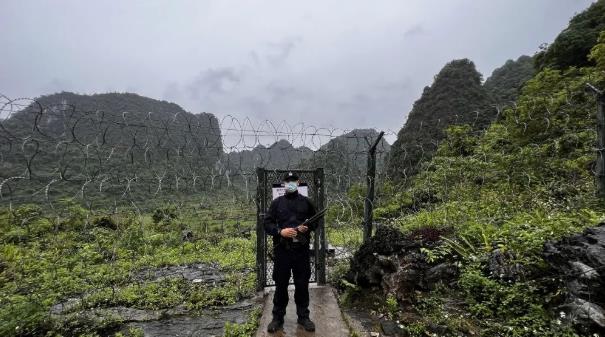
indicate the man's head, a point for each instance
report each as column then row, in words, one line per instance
column 291, row 182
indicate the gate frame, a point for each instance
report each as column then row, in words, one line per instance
column 263, row 200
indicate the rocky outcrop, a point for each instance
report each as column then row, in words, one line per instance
column 579, row 260
column 501, row 265
column 176, row 321
column 196, row 273
column 393, row 262
column 73, row 314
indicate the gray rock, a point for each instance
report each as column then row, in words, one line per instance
column 583, row 270
column 186, row 235
column 205, row 325
column 500, row 266
column 580, row 261
column 441, row 330
column 198, row 273
column 175, row 321
column 66, row 306
column 445, row 271
column 582, row 311
column 390, row 328
column 394, row 262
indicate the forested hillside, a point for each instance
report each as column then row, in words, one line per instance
column 344, row 158
column 471, row 245
column 279, row 155
column 505, row 83
column 455, row 97
column 104, row 140
column 572, row 46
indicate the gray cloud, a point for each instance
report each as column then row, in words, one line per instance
column 414, row 31
column 213, row 81
column 279, row 51
column 172, row 92
column 57, row 85
column 317, row 62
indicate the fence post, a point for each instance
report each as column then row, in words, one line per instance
column 370, row 179
column 600, row 167
column 320, row 232
column 260, row 230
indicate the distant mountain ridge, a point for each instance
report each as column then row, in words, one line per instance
column 279, row 155
column 149, row 145
column 112, row 140
column 351, row 148
column 344, row 158
column 124, row 114
column 505, row 82
column 456, row 96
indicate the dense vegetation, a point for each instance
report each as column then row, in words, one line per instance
column 572, row 46
column 455, row 97
column 476, row 184
column 527, row 179
column 102, row 260
column 505, row 82
column 64, row 144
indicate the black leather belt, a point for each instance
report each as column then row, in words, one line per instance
column 298, row 244
column 288, row 244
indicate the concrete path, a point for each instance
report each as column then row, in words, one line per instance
column 324, row 312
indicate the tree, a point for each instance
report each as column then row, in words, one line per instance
column 573, row 44
column 505, row 82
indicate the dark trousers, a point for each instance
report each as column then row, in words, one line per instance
column 296, row 260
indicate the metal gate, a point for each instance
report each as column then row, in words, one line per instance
column 264, row 244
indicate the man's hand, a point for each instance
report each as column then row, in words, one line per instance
column 288, row 232
column 303, row 228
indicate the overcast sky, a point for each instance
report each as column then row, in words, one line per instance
column 346, row 64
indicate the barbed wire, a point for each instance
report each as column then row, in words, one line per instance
column 201, row 170
column 61, row 151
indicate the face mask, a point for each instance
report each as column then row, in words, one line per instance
column 291, row 186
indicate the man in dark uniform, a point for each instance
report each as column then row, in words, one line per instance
column 291, row 251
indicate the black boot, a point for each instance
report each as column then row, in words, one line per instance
column 275, row 324
column 306, row 323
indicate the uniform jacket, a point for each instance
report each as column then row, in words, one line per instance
column 289, row 210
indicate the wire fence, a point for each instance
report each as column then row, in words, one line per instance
column 112, row 204
column 147, row 210
column 132, row 152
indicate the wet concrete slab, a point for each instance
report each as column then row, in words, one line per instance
column 324, row 312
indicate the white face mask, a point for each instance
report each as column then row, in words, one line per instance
column 291, row 186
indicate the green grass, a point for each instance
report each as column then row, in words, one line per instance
column 46, row 259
